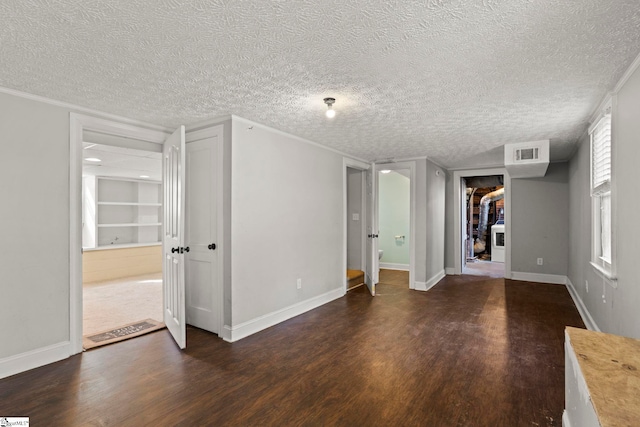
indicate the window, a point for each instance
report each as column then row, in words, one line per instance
column 602, row 257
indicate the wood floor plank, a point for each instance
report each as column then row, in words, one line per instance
column 472, row 351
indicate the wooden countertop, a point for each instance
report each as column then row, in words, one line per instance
column 611, row 368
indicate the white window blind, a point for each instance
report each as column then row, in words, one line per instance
column 601, row 155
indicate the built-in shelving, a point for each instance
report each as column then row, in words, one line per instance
column 119, row 212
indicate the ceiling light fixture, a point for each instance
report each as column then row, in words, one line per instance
column 144, row 176
column 331, row 113
column 93, row 159
column 385, row 171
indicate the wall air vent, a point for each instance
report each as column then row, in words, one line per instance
column 527, row 154
column 527, row 159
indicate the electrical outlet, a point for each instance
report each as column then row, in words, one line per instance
column 299, row 283
column 540, row 261
column 355, row 217
column 586, row 285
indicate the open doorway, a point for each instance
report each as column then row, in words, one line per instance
column 485, row 226
column 356, row 247
column 121, row 242
column 394, row 225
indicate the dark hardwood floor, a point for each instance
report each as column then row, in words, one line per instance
column 472, row 351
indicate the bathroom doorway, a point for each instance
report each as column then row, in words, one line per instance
column 396, row 223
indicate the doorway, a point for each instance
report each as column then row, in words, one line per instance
column 394, row 225
column 484, row 247
column 482, row 211
column 127, row 134
column 395, row 218
column 355, row 221
column 121, row 241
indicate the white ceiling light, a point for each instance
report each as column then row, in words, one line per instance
column 93, row 159
column 144, row 176
column 385, row 171
column 331, row 113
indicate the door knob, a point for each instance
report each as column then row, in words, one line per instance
column 212, row 247
column 183, row 250
column 174, row 250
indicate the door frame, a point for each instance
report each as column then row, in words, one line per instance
column 78, row 123
column 411, row 165
column 457, row 216
column 362, row 167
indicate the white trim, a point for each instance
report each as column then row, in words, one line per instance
column 237, row 332
column 627, row 74
column 565, row 419
column 77, row 124
column 295, row 137
column 83, row 110
column 450, row 271
column 394, row 266
column 457, row 198
column 34, row 359
column 582, row 309
column 425, row 286
column 555, row 279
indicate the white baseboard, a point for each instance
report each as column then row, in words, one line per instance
column 582, row 309
column 555, row 279
column 425, row 286
column 237, row 332
column 394, row 266
column 450, row 271
column 419, row 286
column 34, row 359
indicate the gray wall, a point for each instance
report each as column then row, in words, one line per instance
column 287, row 221
column 354, row 228
column 435, row 212
column 618, row 311
column 34, row 268
column 540, row 222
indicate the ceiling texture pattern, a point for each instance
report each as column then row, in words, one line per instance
column 449, row 79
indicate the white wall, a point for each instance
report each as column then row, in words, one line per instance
column 618, row 312
column 34, row 268
column 287, row 209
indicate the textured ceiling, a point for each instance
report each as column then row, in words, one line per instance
column 449, row 79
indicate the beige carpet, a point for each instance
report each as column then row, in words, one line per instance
column 112, row 304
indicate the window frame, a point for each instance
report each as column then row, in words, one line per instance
column 603, row 191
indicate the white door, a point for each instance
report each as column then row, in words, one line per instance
column 202, row 287
column 371, row 270
column 173, row 248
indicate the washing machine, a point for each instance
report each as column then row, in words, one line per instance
column 497, row 243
